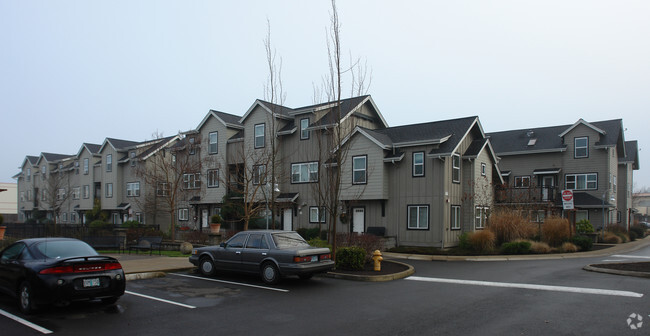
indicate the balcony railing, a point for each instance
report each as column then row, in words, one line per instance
column 526, row 195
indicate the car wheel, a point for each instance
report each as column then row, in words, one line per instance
column 25, row 298
column 270, row 274
column 306, row 276
column 110, row 300
column 206, row 266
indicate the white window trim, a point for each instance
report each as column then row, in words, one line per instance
column 259, row 174
column 418, row 225
column 133, row 189
column 183, row 214
column 522, row 184
column 585, row 147
column 215, row 143
column 418, row 164
column 455, row 217
column 213, row 178
column 296, row 170
column 357, row 169
column 455, row 158
column 575, row 185
column 262, row 136
column 480, row 219
column 317, row 212
column 304, row 134
column 109, row 163
column 109, row 187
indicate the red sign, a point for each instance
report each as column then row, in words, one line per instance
column 567, row 195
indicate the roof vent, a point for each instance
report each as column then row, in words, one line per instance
column 532, row 142
column 530, row 133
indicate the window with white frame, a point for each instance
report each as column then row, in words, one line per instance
column 483, row 165
column 418, row 217
column 86, row 191
column 304, row 133
column 60, row 194
column 109, row 190
column 317, row 214
column 213, row 178
column 455, row 168
column 259, row 135
column 116, row 218
column 581, row 181
column 259, row 174
column 480, row 217
column 359, row 169
column 522, row 181
column 76, row 192
column 162, row 189
column 86, row 166
column 139, row 218
column 132, row 158
column 455, row 217
column 581, row 147
column 304, row 172
column 191, row 181
column 109, row 162
column 76, row 167
column 133, row 189
column 418, row 164
column 29, row 175
column 183, row 214
column 213, row 143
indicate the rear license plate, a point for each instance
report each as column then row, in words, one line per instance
column 314, row 258
column 94, row 282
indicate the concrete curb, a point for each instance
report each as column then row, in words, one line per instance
column 145, row 275
column 375, row 278
column 594, row 268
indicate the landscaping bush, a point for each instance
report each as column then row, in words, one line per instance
column 611, row 238
column 540, row 248
column 309, row 233
column 638, row 230
column 350, row 258
column 584, row 226
column 130, row 224
column 368, row 242
column 509, row 225
column 632, row 235
column 482, row 241
column 464, row 243
column 555, row 231
column 584, row 243
column 624, row 237
column 569, row 247
column 516, row 247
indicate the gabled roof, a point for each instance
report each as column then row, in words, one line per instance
column 33, row 160
column 118, row 144
column 164, row 142
column 53, row 157
column 347, row 108
column 631, row 154
column 227, row 119
column 583, row 122
column 91, row 148
column 278, row 111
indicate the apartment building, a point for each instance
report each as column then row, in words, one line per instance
column 591, row 158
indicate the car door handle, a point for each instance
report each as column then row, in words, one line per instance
column 263, row 253
column 238, row 252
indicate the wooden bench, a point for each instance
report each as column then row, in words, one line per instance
column 105, row 242
column 147, row 244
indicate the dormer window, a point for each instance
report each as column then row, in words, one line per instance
column 109, row 163
column 304, row 133
column 29, row 174
column 581, row 147
column 259, row 135
column 132, row 158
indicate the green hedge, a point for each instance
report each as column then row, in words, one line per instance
column 350, row 258
column 516, row 247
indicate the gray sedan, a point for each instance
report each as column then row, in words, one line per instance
column 272, row 254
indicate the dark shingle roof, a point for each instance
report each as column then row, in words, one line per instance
column 93, row 148
column 155, row 147
column 631, row 154
column 122, row 144
column 275, row 108
column 347, row 105
column 475, row 147
column 227, row 117
column 32, row 159
column 52, row 157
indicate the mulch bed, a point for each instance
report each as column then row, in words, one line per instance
column 387, row 267
column 634, row 267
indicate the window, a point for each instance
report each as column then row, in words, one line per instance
column 213, row 178
column 86, row 166
column 581, row 147
column 64, row 217
column 259, row 135
column 418, row 217
column 132, row 158
column 76, row 192
column 304, row 133
column 359, row 169
column 162, row 189
column 582, row 215
column 483, row 168
column 86, row 191
column 259, row 174
column 522, row 181
column 116, row 218
column 133, row 189
column 73, row 217
column 455, row 217
column 173, row 159
column 109, row 190
column 317, row 214
column 60, row 195
column 183, row 214
column 257, row 241
column 192, row 181
column 192, row 148
column 581, row 181
column 304, row 172
column 213, row 143
column 418, row 164
column 22, row 196
column 480, row 217
column 29, row 175
column 109, row 162
column 138, row 217
column 43, row 172
column 455, row 168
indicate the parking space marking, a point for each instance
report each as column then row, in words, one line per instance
column 579, row 290
column 232, row 283
column 25, row 322
column 629, row 256
column 159, row 299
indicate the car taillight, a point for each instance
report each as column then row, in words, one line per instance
column 57, row 270
column 84, row 268
column 325, row 256
column 302, row 259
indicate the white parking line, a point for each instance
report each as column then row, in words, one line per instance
column 579, row 290
column 159, row 299
column 629, row 256
column 613, row 260
column 26, row 323
column 232, row 283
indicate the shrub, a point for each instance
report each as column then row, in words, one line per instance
column 516, row 247
column 367, row 242
column 350, row 258
column 540, row 248
column 463, row 242
column 130, row 224
column 569, row 247
column 215, row 219
column 309, row 233
column 638, row 230
column 584, row 243
column 555, row 231
column 632, row 235
column 509, row 225
column 611, row 238
column 624, row 237
column 584, row 226
column 482, row 241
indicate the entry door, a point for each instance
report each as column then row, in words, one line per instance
column 358, row 219
column 287, row 219
column 548, row 182
column 204, row 218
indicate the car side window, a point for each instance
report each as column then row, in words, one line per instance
column 12, row 252
column 237, row 241
column 257, row 241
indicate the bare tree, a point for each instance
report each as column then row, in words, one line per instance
column 56, row 191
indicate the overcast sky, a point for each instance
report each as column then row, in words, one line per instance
column 80, row 71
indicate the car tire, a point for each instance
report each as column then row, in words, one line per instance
column 270, row 273
column 110, row 300
column 206, row 266
column 306, row 276
column 25, row 298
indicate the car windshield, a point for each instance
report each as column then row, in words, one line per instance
column 289, row 239
column 58, row 249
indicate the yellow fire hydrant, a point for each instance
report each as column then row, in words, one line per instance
column 376, row 256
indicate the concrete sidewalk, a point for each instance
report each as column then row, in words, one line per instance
column 144, row 266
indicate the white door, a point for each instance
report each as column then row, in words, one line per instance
column 204, row 218
column 358, row 219
column 288, row 216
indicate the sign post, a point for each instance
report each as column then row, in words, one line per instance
column 567, row 199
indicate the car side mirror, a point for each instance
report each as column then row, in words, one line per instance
column 223, row 244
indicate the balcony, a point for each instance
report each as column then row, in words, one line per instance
column 530, row 195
